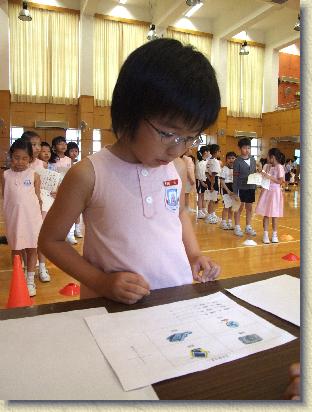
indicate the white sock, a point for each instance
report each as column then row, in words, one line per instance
column 30, row 277
column 248, row 227
column 41, row 265
column 274, row 233
column 223, row 222
column 237, row 227
column 77, row 226
column 230, row 222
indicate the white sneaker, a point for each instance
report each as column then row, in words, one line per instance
column 250, row 231
column 31, row 289
column 223, row 226
column 78, row 233
column 44, row 275
column 205, row 211
column 201, row 215
column 238, row 232
column 71, row 240
column 274, row 238
column 230, row 226
column 266, row 239
column 211, row 219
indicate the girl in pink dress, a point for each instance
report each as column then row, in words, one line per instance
column 271, row 202
column 21, row 207
column 138, row 235
column 37, row 164
column 59, row 147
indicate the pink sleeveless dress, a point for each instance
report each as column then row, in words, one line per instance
column 22, row 215
column 271, row 202
column 37, row 164
column 132, row 222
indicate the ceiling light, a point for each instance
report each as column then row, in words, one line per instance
column 152, row 35
column 122, row 1
column 244, row 50
column 193, row 9
column 297, row 25
column 24, row 14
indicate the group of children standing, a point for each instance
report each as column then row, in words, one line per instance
column 29, row 189
column 232, row 180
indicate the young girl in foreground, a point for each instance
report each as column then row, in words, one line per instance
column 271, row 202
column 21, row 207
column 165, row 95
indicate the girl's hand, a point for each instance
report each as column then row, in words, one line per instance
column 210, row 270
column 293, row 389
column 53, row 194
column 126, row 287
column 204, row 184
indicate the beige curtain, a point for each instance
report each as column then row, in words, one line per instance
column 113, row 42
column 44, row 56
column 200, row 42
column 244, row 81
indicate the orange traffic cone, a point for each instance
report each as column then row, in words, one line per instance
column 291, row 257
column 19, row 295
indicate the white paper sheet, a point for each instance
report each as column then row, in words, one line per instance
column 228, row 200
column 149, row 345
column 54, row 357
column 279, row 295
column 208, row 195
column 259, row 180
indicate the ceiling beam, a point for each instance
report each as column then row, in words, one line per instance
column 88, row 7
column 222, row 29
column 166, row 13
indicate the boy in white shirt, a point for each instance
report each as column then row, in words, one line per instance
column 226, row 179
column 213, row 171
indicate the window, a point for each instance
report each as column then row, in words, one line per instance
column 73, row 135
column 297, row 153
column 16, row 133
column 96, row 141
column 254, row 148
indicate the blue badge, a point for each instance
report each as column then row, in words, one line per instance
column 171, row 198
column 27, row 182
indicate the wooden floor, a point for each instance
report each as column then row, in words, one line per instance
column 225, row 248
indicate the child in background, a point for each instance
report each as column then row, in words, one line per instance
column 59, row 147
column 213, row 171
column 243, row 166
column 72, row 151
column 63, row 164
column 165, row 95
column 287, row 169
column 45, row 155
column 21, row 207
column 38, row 165
column 271, row 202
column 34, row 139
column 190, row 178
column 226, row 179
column 201, row 184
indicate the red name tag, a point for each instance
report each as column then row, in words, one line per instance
column 171, row 182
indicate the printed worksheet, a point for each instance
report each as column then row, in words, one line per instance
column 149, row 345
column 279, row 295
column 259, row 180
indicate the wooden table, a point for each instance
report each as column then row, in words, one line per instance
column 263, row 375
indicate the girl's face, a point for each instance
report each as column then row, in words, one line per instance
column 73, row 153
column 271, row 160
column 230, row 161
column 36, row 146
column 147, row 146
column 20, row 160
column 45, row 154
column 205, row 155
column 61, row 147
column 217, row 154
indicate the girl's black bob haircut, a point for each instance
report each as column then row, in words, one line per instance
column 22, row 144
column 165, row 80
column 57, row 140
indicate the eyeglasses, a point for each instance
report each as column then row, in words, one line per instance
column 169, row 138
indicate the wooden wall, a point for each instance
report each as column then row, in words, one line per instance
column 289, row 66
column 272, row 125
